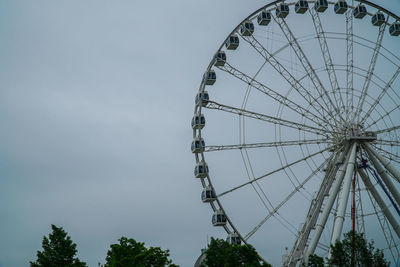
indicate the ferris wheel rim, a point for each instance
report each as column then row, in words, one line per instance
column 198, row 108
column 274, row 3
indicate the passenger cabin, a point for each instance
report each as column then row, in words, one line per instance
column 321, row 5
column 359, row 11
column 301, row 7
column 198, row 121
column 209, row 77
column 247, row 28
column 282, row 11
column 340, row 7
column 220, row 59
column 232, row 43
column 208, row 195
column 233, row 239
column 198, row 145
column 264, row 18
column 378, row 19
column 219, row 218
column 202, row 98
column 394, row 29
column 201, row 170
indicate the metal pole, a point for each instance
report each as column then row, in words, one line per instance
column 386, row 163
column 353, row 206
column 319, row 227
column 344, row 197
column 379, row 200
column 299, row 248
column 385, row 177
column 353, row 219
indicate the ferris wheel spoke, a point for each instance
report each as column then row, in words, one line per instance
column 386, row 114
column 387, row 130
column 273, row 94
column 387, row 184
column 322, row 92
column 265, row 200
column 381, row 95
column 275, row 171
column 267, row 118
column 276, row 209
column 350, row 62
column 388, row 155
column 381, row 117
column 386, row 230
column 292, row 81
column 385, row 163
column 371, row 69
column 388, row 142
column 267, row 144
column 327, row 57
column 384, row 208
column 383, row 215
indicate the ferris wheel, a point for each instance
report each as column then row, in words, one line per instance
column 296, row 128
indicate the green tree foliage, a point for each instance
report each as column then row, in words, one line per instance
column 344, row 254
column 364, row 252
column 129, row 253
column 58, row 251
column 222, row 254
column 315, row 261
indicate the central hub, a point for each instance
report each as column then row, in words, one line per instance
column 357, row 132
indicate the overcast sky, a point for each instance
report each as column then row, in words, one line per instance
column 96, row 99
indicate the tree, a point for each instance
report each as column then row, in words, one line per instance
column 220, row 253
column 364, row 252
column 353, row 250
column 129, row 253
column 58, row 251
column 315, row 261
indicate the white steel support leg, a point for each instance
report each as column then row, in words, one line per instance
column 385, row 177
column 298, row 250
column 386, row 163
column 319, row 227
column 339, row 219
column 381, row 203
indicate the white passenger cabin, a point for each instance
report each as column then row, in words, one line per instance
column 359, row 11
column 209, row 77
column 264, row 18
column 394, row 29
column 378, row 19
column 282, row 11
column 219, row 218
column 208, row 195
column 232, row 42
column 301, row 6
column 340, row 7
column 233, row 239
column 247, row 28
column 321, row 5
column 198, row 121
column 201, row 170
column 202, row 98
column 220, row 59
column 198, row 145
